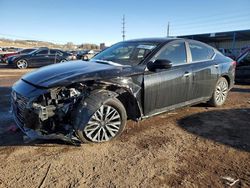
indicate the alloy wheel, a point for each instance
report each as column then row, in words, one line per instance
column 221, row 92
column 103, row 125
column 22, row 64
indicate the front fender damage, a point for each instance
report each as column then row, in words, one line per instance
column 63, row 111
column 127, row 88
column 87, row 107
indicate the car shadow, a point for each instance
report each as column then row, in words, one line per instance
column 17, row 139
column 229, row 127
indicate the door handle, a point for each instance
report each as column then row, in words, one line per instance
column 216, row 66
column 187, row 74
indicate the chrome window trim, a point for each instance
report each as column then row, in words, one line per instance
column 193, row 62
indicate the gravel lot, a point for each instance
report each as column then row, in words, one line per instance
column 191, row 147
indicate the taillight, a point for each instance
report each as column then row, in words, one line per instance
column 234, row 63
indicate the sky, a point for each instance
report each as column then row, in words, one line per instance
column 97, row 21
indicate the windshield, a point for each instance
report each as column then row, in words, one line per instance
column 26, row 51
column 126, row 53
column 33, row 51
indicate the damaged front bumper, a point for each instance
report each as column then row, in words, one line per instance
column 29, row 115
column 32, row 135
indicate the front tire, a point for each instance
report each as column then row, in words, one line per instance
column 220, row 93
column 22, row 64
column 106, row 124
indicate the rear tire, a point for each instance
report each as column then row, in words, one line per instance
column 220, row 93
column 63, row 60
column 106, row 124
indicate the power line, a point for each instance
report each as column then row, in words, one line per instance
column 193, row 31
column 208, row 28
column 232, row 21
column 214, row 17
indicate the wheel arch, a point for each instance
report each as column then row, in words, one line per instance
column 228, row 80
column 127, row 94
column 88, row 106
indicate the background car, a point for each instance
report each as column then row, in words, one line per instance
column 24, row 51
column 81, row 54
column 227, row 52
column 11, row 49
column 5, row 54
column 73, row 54
column 38, row 58
column 243, row 67
column 86, row 54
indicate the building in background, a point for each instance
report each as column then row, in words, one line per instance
column 102, row 46
column 230, row 43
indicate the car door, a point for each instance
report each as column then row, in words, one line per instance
column 205, row 70
column 40, row 58
column 166, row 88
column 243, row 68
column 54, row 56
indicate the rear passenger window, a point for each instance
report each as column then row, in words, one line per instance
column 200, row 52
column 176, row 53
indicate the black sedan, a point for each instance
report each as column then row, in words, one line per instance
column 136, row 79
column 38, row 58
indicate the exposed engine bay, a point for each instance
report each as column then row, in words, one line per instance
column 51, row 113
column 60, row 111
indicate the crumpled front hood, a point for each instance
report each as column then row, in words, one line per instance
column 64, row 74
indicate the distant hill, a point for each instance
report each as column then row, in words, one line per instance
column 33, row 43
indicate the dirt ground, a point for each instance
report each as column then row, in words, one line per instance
column 191, row 147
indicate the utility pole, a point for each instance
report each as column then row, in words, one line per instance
column 123, row 27
column 168, row 29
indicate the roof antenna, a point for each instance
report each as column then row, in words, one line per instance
column 123, row 27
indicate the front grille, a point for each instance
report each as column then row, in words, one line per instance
column 19, row 104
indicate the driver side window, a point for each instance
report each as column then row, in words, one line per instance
column 175, row 52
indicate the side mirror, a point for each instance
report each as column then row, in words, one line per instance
column 159, row 64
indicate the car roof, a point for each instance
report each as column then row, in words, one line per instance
column 156, row 40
